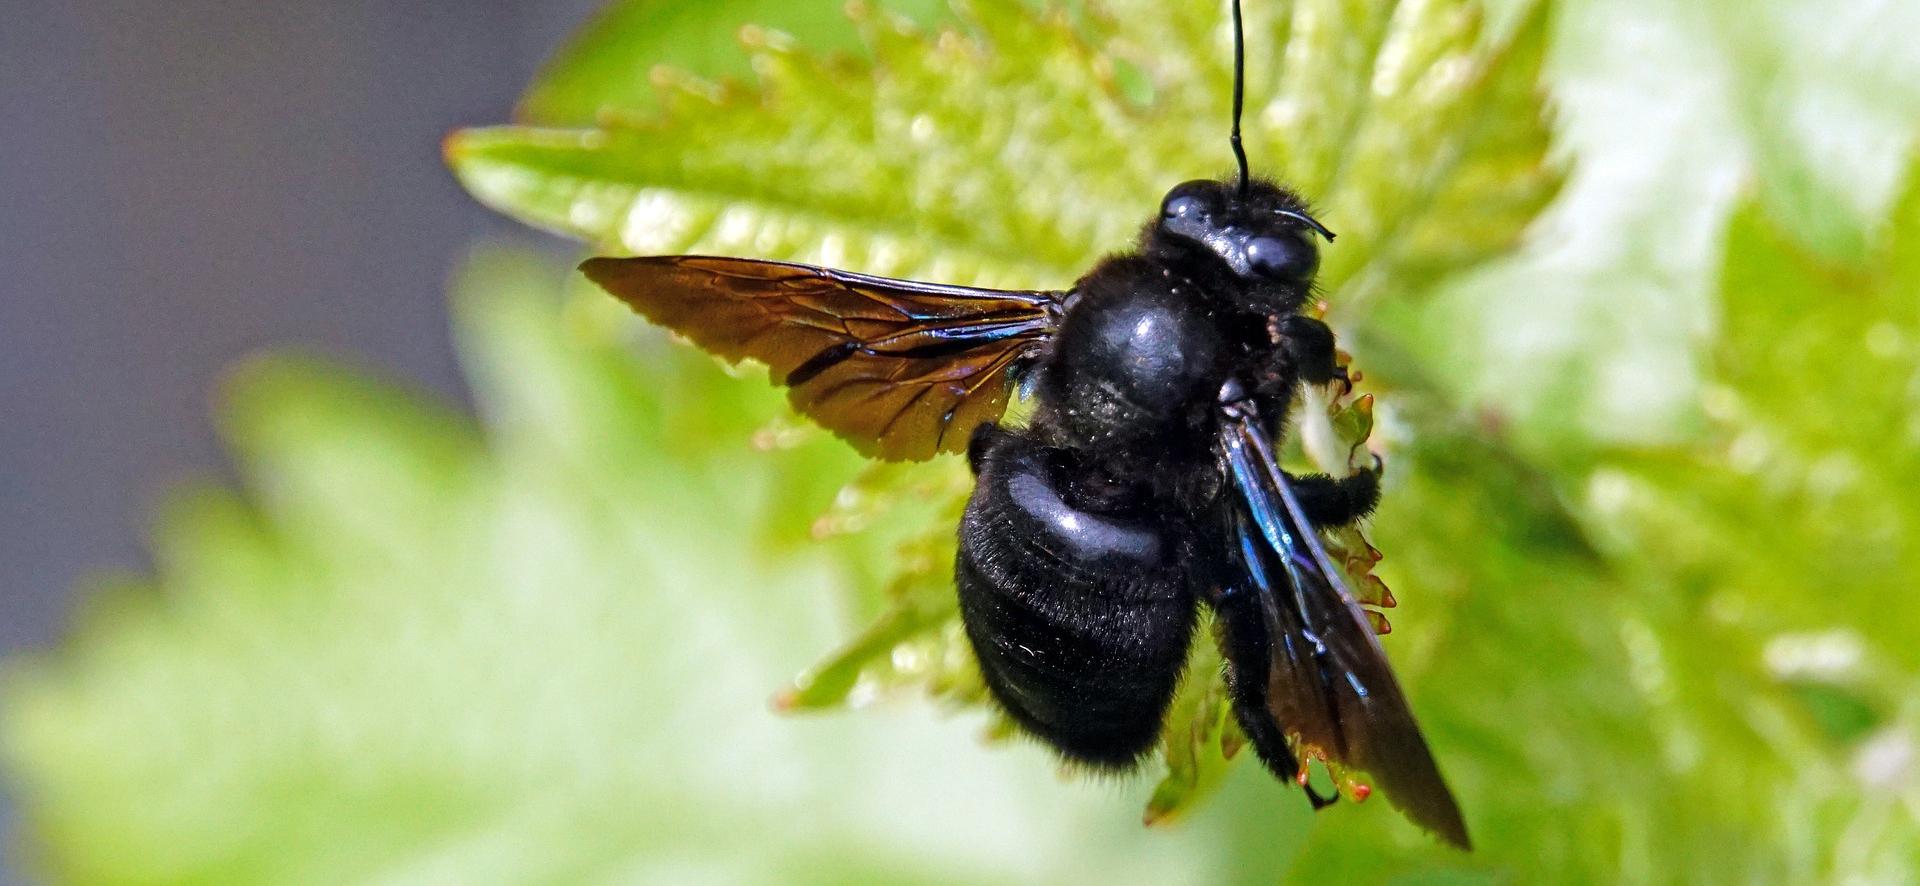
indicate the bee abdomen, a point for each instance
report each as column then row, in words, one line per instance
column 1080, row 618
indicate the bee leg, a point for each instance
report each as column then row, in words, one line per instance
column 1307, row 345
column 1245, row 644
column 1330, row 502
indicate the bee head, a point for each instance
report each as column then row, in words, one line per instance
column 1251, row 236
column 1260, row 232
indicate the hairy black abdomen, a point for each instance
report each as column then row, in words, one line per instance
column 1075, row 602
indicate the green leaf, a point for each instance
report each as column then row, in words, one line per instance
column 1596, row 332
column 1009, row 151
column 1761, row 612
column 1202, row 737
column 608, row 65
column 1831, row 119
column 1813, row 448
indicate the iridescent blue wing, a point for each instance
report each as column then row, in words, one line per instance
column 1328, row 690
column 902, row 370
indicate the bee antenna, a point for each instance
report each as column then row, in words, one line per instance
column 1239, row 89
column 1307, row 220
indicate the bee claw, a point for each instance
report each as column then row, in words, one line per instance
column 1342, row 378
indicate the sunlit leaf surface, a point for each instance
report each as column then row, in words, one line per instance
column 1016, row 149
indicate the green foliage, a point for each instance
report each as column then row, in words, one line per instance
column 540, row 647
column 1673, row 112
column 1017, row 149
column 609, row 64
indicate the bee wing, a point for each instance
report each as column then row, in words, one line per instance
column 900, row 369
column 1328, row 687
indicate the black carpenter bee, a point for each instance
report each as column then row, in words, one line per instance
column 1144, row 485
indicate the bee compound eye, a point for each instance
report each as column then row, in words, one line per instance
column 1187, row 200
column 1182, row 206
column 1282, row 257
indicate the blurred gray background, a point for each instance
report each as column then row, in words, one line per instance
column 185, row 182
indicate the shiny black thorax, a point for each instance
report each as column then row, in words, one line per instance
column 1093, row 531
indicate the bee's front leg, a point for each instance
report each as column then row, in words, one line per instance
column 1306, row 346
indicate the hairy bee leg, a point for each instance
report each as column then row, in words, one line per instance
column 1307, row 344
column 1249, row 656
column 1333, row 502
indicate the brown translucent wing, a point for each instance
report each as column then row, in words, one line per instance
column 1329, row 687
column 900, row 369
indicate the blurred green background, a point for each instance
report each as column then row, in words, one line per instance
column 1637, row 285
